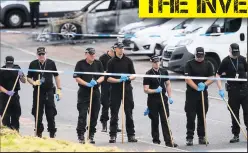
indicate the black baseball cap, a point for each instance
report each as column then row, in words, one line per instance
column 118, row 45
column 234, row 47
column 90, row 50
column 9, row 60
column 41, row 50
column 199, row 52
column 155, row 59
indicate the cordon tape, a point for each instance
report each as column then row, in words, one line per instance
column 136, row 75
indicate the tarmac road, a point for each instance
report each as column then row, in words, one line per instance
column 218, row 117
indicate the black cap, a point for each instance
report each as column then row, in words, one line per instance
column 41, row 50
column 234, row 47
column 9, row 60
column 118, row 45
column 155, row 58
column 199, row 52
column 90, row 50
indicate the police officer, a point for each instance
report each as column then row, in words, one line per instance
column 235, row 66
column 85, row 82
column 7, row 81
column 121, row 64
column 153, row 87
column 193, row 106
column 34, row 12
column 47, row 91
column 105, row 92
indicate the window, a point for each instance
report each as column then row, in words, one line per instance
column 226, row 25
column 103, row 6
column 232, row 25
column 129, row 4
column 183, row 25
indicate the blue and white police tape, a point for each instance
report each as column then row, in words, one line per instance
column 136, row 75
column 70, row 34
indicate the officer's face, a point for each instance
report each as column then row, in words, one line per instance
column 90, row 57
column 155, row 65
column 119, row 51
column 42, row 56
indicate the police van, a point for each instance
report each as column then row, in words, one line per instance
column 14, row 13
column 214, row 35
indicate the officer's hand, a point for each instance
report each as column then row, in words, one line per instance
column 158, row 90
column 222, row 93
column 201, row 86
column 20, row 73
column 37, row 83
column 170, row 100
column 146, row 112
column 124, row 78
column 10, row 93
column 89, row 85
column 58, row 94
column 93, row 82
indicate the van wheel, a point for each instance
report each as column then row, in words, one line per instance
column 68, row 29
column 213, row 63
column 14, row 19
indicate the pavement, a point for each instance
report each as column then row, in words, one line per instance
column 23, row 48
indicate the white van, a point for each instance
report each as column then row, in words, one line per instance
column 214, row 35
column 146, row 40
column 14, row 13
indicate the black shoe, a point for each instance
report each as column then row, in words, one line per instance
column 118, row 129
column 112, row 139
column 39, row 135
column 52, row 134
column 81, row 139
column 203, row 141
column 170, row 145
column 156, row 141
column 189, row 142
column 132, row 139
column 104, row 126
column 92, row 141
column 234, row 139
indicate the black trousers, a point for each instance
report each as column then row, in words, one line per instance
column 46, row 101
column 105, row 101
column 34, row 13
column 83, row 107
column 238, row 97
column 193, row 108
column 13, row 112
column 156, row 110
column 116, row 99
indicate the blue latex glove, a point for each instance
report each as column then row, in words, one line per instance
column 89, row 85
column 146, row 112
column 201, row 86
column 159, row 89
column 170, row 100
column 222, row 93
column 10, row 93
column 93, row 82
column 123, row 78
column 20, row 73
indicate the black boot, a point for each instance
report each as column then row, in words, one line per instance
column 203, row 141
column 104, row 126
column 168, row 144
column 156, row 141
column 112, row 139
column 92, row 141
column 52, row 134
column 189, row 142
column 235, row 139
column 81, row 139
column 132, row 139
